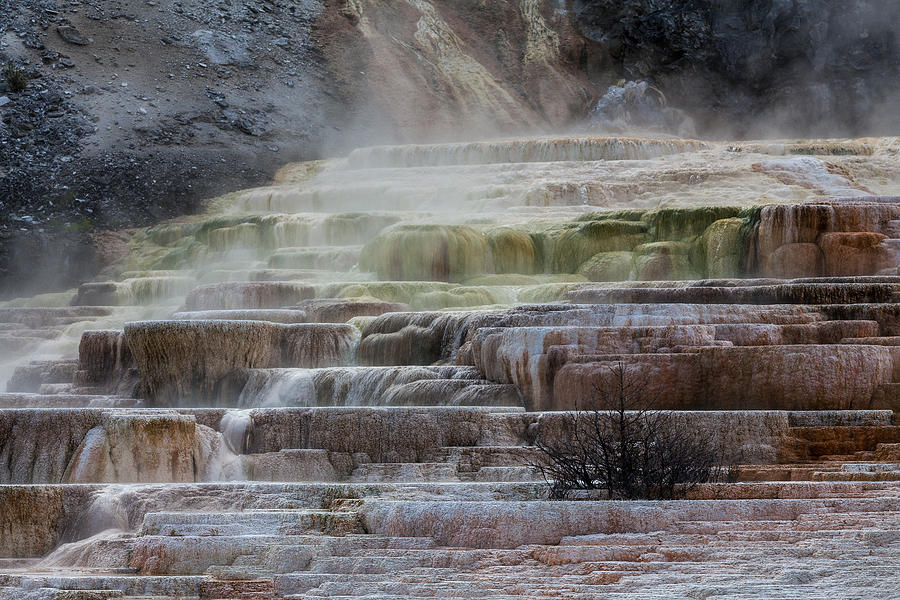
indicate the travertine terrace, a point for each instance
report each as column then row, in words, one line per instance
column 332, row 386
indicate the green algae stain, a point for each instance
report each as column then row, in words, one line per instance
column 721, row 247
column 609, row 266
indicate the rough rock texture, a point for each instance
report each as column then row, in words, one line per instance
column 144, row 446
column 94, row 445
column 394, row 455
column 786, row 67
column 34, row 518
column 311, row 345
column 559, row 367
column 28, row 456
column 136, row 448
column 758, row 377
column 108, row 134
column 97, row 140
column 478, row 524
column 183, row 362
column 105, row 363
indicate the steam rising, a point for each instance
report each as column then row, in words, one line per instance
column 409, row 72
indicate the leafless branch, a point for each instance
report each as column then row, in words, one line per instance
column 625, row 447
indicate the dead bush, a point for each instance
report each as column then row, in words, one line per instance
column 15, row 76
column 625, row 447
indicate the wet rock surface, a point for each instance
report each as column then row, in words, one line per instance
column 291, row 397
column 335, row 385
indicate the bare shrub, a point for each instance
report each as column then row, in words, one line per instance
column 16, row 77
column 625, row 447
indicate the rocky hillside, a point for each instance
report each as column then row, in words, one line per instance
column 121, row 113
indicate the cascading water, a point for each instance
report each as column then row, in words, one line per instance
column 86, row 552
column 105, row 514
column 222, row 451
column 399, row 327
column 280, row 387
column 236, row 428
column 351, row 386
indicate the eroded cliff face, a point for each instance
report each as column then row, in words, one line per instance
column 421, row 70
column 428, row 70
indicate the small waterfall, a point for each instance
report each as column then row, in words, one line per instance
column 295, row 231
column 107, row 511
column 236, row 428
column 352, row 386
column 220, row 454
column 245, row 236
column 183, row 362
column 84, row 540
column 87, row 552
column 90, row 458
column 278, row 387
column 311, row 345
column 105, row 362
column 150, row 290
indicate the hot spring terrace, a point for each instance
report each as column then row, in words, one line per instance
column 335, row 386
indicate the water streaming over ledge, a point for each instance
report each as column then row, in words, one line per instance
column 489, row 225
column 370, row 341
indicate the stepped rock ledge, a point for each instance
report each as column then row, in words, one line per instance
column 338, row 385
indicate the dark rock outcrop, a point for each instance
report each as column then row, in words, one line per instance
column 794, row 67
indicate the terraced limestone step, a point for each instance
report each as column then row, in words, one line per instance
column 861, row 472
column 368, row 373
column 844, row 441
column 689, row 555
column 170, row 586
column 377, row 472
column 251, row 523
column 29, row 378
column 66, row 400
column 887, row 396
